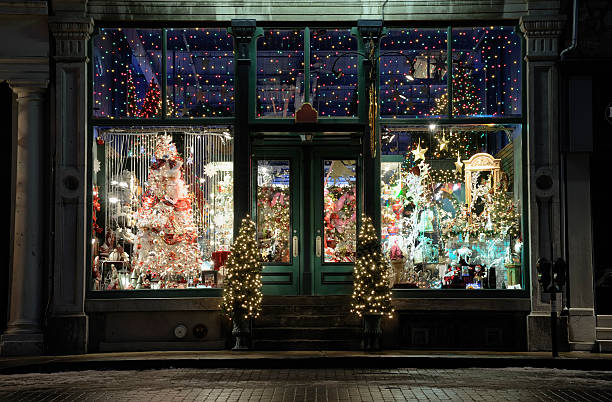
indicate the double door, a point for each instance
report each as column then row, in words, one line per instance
column 306, row 205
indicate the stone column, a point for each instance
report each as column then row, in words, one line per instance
column 23, row 335
column 542, row 34
column 68, row 325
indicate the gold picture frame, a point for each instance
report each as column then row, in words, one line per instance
column 480, row 162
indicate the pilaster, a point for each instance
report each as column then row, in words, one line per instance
column 243, row 32
column 24, row 335
column 67, row 328
column 542, row 34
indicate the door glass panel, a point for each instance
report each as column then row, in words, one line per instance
column 273, row 210
column 339, row 210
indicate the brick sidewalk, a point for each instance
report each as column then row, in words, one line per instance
column 466, row 384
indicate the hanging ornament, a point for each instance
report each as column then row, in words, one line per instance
column 458, row 164
column 419, row 153
column 100, row 141
column 443, row 142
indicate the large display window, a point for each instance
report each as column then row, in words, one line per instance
column 162, row 207
column 451, row 206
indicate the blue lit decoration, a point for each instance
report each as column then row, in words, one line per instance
column 119, row 53
column 280, row 73
column 200, row 72
column 330, row 95
column 410, row 88
column 490, row 58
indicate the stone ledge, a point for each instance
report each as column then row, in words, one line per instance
column 158, row 304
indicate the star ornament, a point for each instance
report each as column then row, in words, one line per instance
column 458, row 164
column 419, row 153
column 443, row 142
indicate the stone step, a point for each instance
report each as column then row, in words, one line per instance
column 306, row 344
column 604, row 321
column 271, row 310
column 306, row 300
column 311, row 333
column 603, row 333
column 330, row 320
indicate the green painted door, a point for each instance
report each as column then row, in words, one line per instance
column 277, row 181
column 305, row 205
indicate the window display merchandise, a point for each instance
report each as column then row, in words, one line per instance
column 162, row 208
column 450, row 209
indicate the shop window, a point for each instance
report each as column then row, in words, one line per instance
column 451, row 211
column 200, row 73
column 162, row 207
column 486, row 72
column 333, row 79
column 411, row 86
column 280, row 73
column 127, row 73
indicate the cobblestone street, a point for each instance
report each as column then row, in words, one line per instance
column 499, row 384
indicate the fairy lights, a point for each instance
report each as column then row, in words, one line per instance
column 371, row 293
column 199, row 65
column 486, row 72
column 242, row 291
column 280, row 73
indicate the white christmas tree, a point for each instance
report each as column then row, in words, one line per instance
column 166, row 247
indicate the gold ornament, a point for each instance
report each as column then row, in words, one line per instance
column 458, row 163
column 443, row 142
column 419, row 153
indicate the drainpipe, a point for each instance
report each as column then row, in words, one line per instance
column 574, row 32
column 383, row 11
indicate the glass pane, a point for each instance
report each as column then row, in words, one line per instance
column 274, row 210
column 413, row 73
column 450, row 221
column 200, row 68
column 331, row 95
column 339, row 210
column 486, row 71
column 280, row 73
column 127, row 73
column 162, row 207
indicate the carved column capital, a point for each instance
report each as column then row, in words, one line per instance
column 243, row 31
column 29, row 89
column 71, row 35
column 542, row 34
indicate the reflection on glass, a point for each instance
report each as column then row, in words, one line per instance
column 273, row 210
column 280, row 73
column 339, row 210
column 127, row 73
column 200, row 72
column 333, row 95
column 486, row 71
column 413, row 86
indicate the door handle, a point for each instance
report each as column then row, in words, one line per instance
column 318, row 246
column 295, row 246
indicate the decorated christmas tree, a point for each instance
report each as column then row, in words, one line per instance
column 465, row 97
column 132, row 106
column 242, row 288
column 167, row 252
column 151, row 106
column 503, row 214
column 371, row 293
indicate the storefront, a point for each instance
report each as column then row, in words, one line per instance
column 171, row 129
